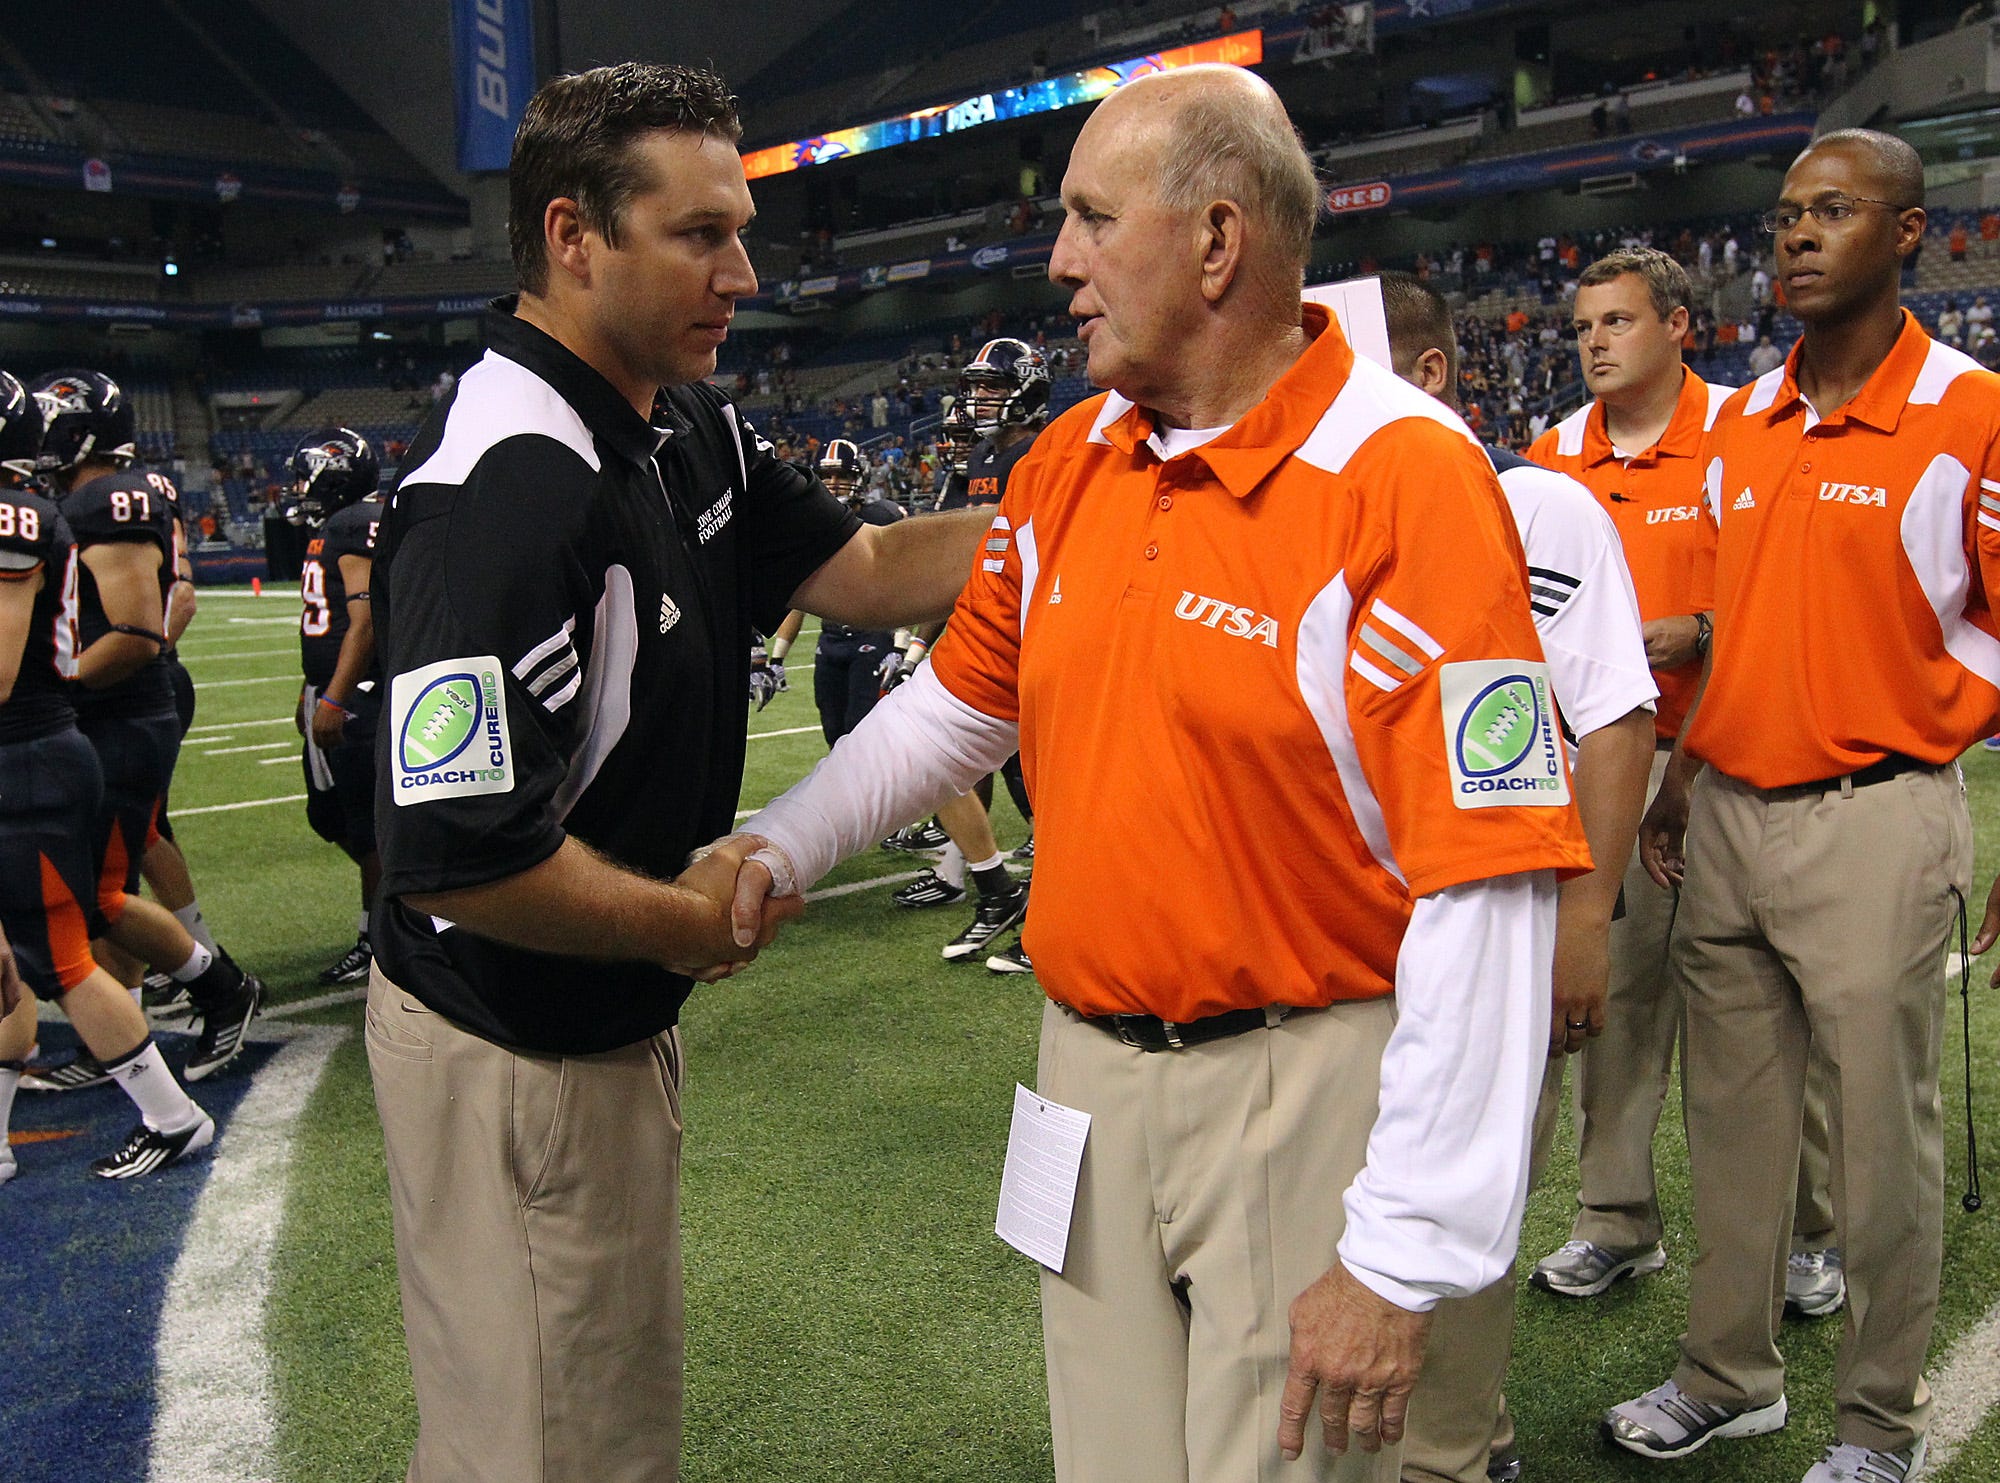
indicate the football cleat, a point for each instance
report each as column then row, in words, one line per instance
column 1025, row 850
column 1011, row 960
column 917, row 839
column 146, row 1149
column 994, row 916
column 222, row 1028
column 164, row 999
column 73, row 1075
column 928, row 889
column 351, row 967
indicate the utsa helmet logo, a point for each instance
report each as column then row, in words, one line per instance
column 326, row 456
column 62, row 396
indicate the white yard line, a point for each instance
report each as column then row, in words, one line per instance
column 224, row 808
column 233, row 725
column 201, row 685
column 1966, row 1387
column 214, row 1418
column 232, row 751
column 788, row 731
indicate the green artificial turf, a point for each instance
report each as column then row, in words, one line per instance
column 850, row 1313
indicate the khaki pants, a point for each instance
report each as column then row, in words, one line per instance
column 1210, row 1198
column 1458, row 1414
column 537, row 1214
column 1818, row 919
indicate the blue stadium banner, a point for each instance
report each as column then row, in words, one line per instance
column 493, row 56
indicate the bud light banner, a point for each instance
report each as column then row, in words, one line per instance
column 493, row 54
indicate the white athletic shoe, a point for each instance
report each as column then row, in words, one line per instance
column 8, row 1167
column 1668, row 1422
column 1815, row 1283
column 1846, row 1463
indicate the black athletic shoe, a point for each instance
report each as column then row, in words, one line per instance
column 917, row 839
column 1504, row 1467
column 73, row 1075
column 146, row 1149
column 222, row 1030
column 1025, row 851
column 928, row 889
column 352, row 967
column 1012, row 960
column 994, row 916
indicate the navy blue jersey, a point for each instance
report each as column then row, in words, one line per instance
column 35, row 543
column 323, row 620
column 985, row 477
column 125, row 507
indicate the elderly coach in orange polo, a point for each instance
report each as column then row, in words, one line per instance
column 1257, row 609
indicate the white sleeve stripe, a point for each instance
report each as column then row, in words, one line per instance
column 545, row 648
column 1409, row 630
column 562, row 697
column 993, row 566
column 1988, row 521
column 553, row 673
column 1990, row 502
column 1990, row 484
column 1408, row 663
column 1371, row 674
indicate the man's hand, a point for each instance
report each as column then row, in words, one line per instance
column 1663, row 833
column 728, row 946
column 764, row 682
column 328, row 722
column 889, row 672
column 12, row 988
column 1361, row 1354
column 1672, row 642
column 1582, row 971
column 1989, row 929
column 299, row 716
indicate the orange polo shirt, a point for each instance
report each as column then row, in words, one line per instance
column 1856, row 564
column 1654, row 498
column 1269, row 691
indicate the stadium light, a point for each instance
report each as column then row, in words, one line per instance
column 1243, row 49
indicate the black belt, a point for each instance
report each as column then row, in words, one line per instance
column 1892, row 766
column 1150, row 1032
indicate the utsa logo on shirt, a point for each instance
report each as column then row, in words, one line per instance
column 1671, row 513
column 1854, row 494
column 1239, row 623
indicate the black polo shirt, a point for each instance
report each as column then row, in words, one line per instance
column 563, row 597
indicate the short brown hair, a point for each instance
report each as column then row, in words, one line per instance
column 575, row 141
column 1418, row 320
column 1666, row 280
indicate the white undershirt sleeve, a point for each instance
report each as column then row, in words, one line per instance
column 920, row 746
column 1436, row 1211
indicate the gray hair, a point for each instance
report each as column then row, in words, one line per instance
column 1219, row 149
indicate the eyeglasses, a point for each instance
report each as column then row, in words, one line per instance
column 1830, row 212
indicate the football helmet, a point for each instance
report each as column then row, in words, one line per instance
column 842, row 469
column 85, row 415
column 330, row 471
column 956, row 437
column 20, row 434
column 1016, row 371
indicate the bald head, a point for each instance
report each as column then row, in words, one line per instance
column 1891, row 168
column 1220, row 133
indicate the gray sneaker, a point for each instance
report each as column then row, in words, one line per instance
column 1582, row 1269
column 1815, row 1284
column 1668, row 1422
column 1846, row 1463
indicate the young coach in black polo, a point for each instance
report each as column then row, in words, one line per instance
column 566, row 582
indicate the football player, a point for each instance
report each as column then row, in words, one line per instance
column 851, row 665
column 48, row 889
column 334, row 474
column 124, row 695
column 165, row 868
column 1004, row 393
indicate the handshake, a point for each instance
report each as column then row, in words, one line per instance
column 740, row 891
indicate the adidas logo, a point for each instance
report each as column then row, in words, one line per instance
column 1744, row 501
column 1056, row 596
column 670, row 613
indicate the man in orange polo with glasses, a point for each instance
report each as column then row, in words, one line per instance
column 1260, row 613
column 1825, row 852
